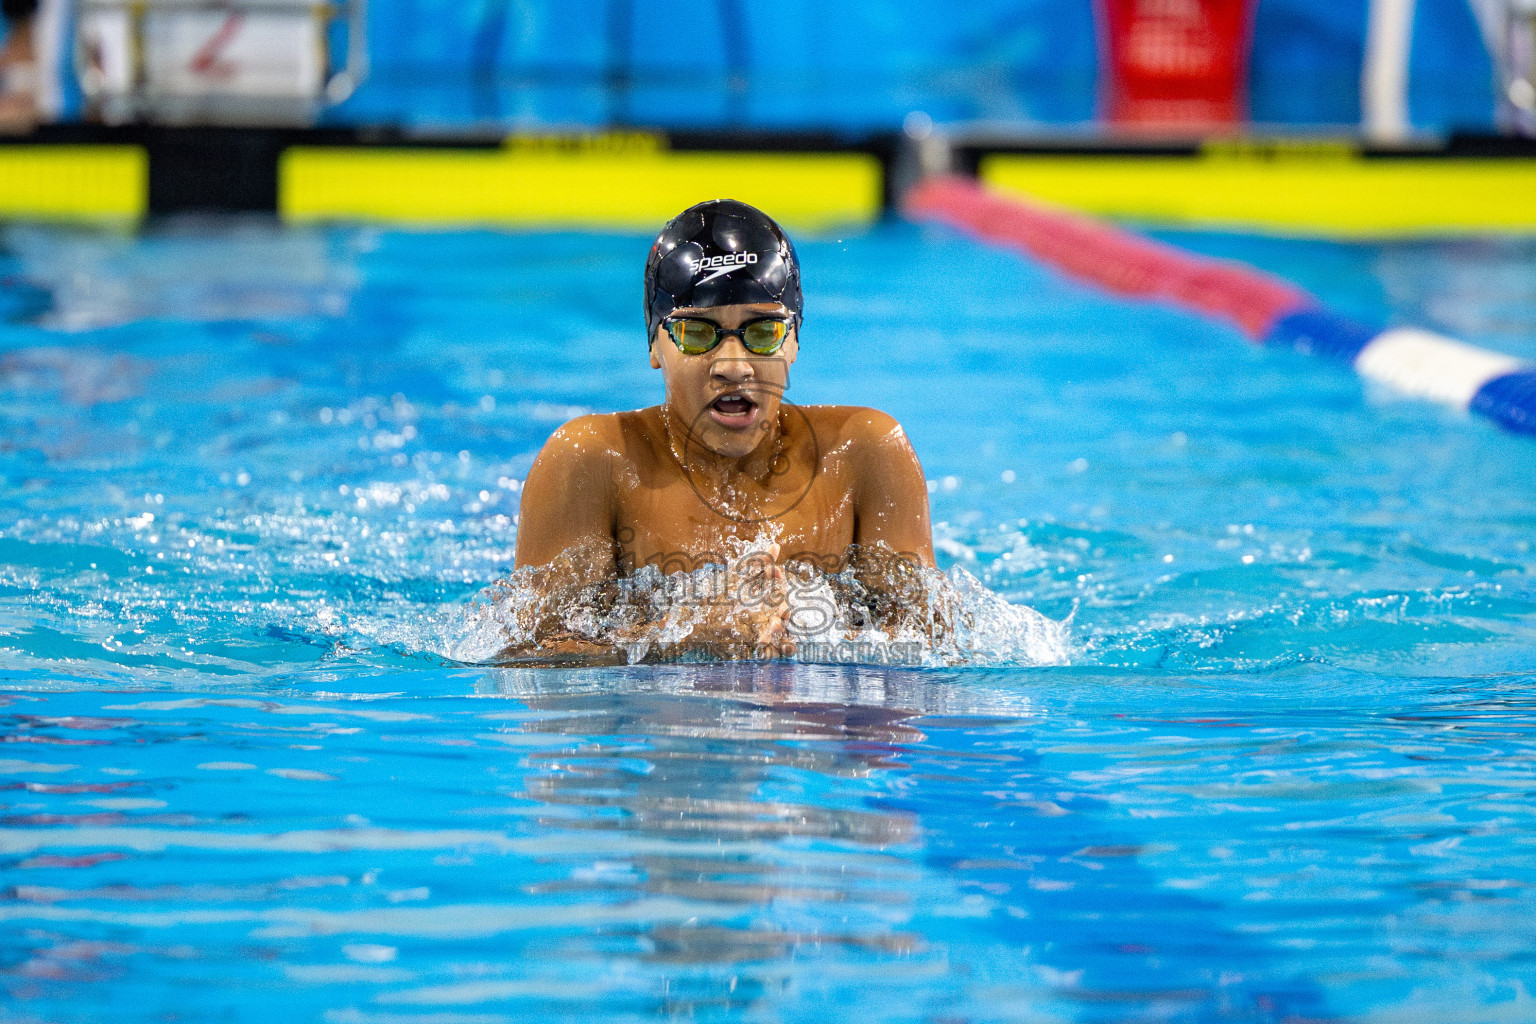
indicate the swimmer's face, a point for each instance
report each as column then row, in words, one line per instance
column 728, row 398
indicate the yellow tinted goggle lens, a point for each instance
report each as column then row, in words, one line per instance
column 694, row 336
column 764, row 336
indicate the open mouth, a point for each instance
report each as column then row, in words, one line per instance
column 734, row 409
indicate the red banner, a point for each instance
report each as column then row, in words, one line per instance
column 1175, row 64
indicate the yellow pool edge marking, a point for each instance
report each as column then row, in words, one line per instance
column 623, row 182
column 1328, row 191
column 74, row 182
column 530, row 187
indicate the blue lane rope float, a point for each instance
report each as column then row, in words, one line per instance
column 1419, row 363
column 1270, row 311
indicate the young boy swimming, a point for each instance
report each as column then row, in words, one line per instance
column 724, row 472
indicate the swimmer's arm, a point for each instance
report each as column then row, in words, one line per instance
column 567, row 501
column 893, row 541
column 566, row 557
column 890, row 493
column 564, row 544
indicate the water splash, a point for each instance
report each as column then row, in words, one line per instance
column 878, row 608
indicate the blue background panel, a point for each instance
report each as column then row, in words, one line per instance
column 855, row 66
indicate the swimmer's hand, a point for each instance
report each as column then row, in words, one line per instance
column 753, row 619
column 551, row 611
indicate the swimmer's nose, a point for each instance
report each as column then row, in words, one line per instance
column 733, row 364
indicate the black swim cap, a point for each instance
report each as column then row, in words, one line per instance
column 719, row 253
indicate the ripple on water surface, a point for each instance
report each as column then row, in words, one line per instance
column 249, row 478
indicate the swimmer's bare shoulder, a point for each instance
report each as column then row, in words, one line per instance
column 889, row 491
column 567, row 500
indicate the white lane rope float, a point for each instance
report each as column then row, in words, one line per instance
column 1270, row 311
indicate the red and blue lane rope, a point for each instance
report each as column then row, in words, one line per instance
column 1270, row 311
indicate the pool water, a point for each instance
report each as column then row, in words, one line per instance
column 250, row 477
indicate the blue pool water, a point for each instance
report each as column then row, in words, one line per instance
column 249, row 478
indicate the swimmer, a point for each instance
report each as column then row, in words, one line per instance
column 724, row 472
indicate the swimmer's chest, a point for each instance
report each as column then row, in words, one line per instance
column 673, row 520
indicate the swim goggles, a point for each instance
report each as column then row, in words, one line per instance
column 694, row 336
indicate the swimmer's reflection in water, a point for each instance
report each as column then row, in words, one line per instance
column 688, row 781
column 725, row 522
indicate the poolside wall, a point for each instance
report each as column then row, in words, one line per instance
column 1330, row 187
column 579, row 113
column 601, row 181
column 631, row 180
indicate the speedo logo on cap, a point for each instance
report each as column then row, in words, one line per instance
column 725, row 264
